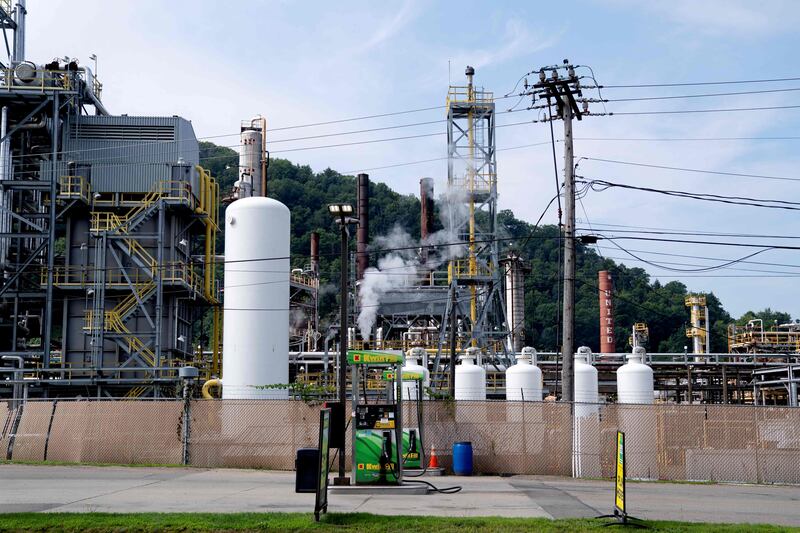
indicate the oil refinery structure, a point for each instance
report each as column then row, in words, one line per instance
column 109, row 266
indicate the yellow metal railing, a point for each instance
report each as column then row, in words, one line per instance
column 42, row 80
column 694, row 299
column 462, row 269
column 461, row 94
column 74, row 188
column 308, row 281
column 482, row 182
column 113, row 322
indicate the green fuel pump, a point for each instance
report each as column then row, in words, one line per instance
column 378, row 427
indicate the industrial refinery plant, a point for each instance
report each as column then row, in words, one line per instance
column 113, row 283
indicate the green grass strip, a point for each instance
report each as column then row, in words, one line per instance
column 338, row 522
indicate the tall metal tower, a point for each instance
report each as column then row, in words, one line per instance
column 472, row 191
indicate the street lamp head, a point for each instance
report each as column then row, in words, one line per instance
column 339, row 210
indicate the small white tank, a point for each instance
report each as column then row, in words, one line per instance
column 586, row 387
column 524, row 379
column 635, row 379
column 470, row 378
column 413, row 357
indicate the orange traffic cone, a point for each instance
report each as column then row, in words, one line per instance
column 434, row 461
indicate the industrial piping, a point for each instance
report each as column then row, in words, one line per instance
column 207, row 385
column 426, row 216
column 315, row 253
column 362, row 233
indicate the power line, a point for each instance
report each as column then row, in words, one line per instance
column 706, row 258
column 686, row 139
column 685, row 111
column 653, row 231
column 704, row 95
column 699, row 83
column 700, row 269
column 602, row 185
column 694, row 170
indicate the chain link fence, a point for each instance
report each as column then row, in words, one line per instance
column 665, row 441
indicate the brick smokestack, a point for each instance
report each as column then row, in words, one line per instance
column 362, row 234
column 426, row 213
column 607, row 344
column 315, row 253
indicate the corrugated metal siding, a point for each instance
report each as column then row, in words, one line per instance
column 129, row 154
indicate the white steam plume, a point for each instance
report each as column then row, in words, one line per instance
column 401, row 266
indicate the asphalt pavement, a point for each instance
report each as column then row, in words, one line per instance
column 132, row 489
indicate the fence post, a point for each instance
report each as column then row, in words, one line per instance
column 188, row 375
column 187, row 411
column 49, row 430
column 758, row 443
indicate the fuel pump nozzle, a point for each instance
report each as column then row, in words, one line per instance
column 385, row 460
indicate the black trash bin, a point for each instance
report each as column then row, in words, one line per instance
column 306, row 466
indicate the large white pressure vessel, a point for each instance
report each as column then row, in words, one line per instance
column 586, row 387
column 470, row 378
column 524, row 379
column 635, row 379
column 256, row 313
column 412, row 366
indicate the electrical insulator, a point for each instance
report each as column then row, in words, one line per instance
column 526, row 83
column 554, row 74
column 571, row 72
column 542, row 76
column 585, row 105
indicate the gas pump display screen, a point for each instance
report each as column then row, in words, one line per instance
column 375, row 416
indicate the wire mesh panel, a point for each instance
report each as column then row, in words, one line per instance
column 506, row 437
column 31, row 435
column 6, row 418
column 663, row 441
column 251, row 433
column 125, row 432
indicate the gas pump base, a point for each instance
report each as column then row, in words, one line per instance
column 409, row 489
column 417, row 472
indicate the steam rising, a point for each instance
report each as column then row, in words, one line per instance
column 402, row 267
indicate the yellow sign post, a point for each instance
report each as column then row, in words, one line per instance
column 620, row 504
column 619, row 499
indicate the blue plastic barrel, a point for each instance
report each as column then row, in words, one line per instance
column 462, row 458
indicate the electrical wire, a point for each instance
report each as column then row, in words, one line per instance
column 690, row 111
column 695, row 83
column 704, row 95
column 693, row 170
column 602, row 185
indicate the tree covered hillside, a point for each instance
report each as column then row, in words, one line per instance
column 637, row 299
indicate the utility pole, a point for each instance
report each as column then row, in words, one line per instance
column 559, row 91
column 568, row 322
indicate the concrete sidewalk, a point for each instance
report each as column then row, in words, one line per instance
column 123, row 489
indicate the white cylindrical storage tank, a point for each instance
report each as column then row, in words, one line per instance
column 256, row 312
column 470, row 378
column 586, row 428
column 586, row 386
column 635, row 379
column 412, row 366
column 524, row 379
column 639, row 422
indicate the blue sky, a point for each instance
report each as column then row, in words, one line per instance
column 302, row 62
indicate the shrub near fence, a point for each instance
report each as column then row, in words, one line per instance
column 666, row 441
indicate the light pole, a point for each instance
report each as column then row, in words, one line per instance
column 342, row 214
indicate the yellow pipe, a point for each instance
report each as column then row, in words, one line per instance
column 208, row 384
